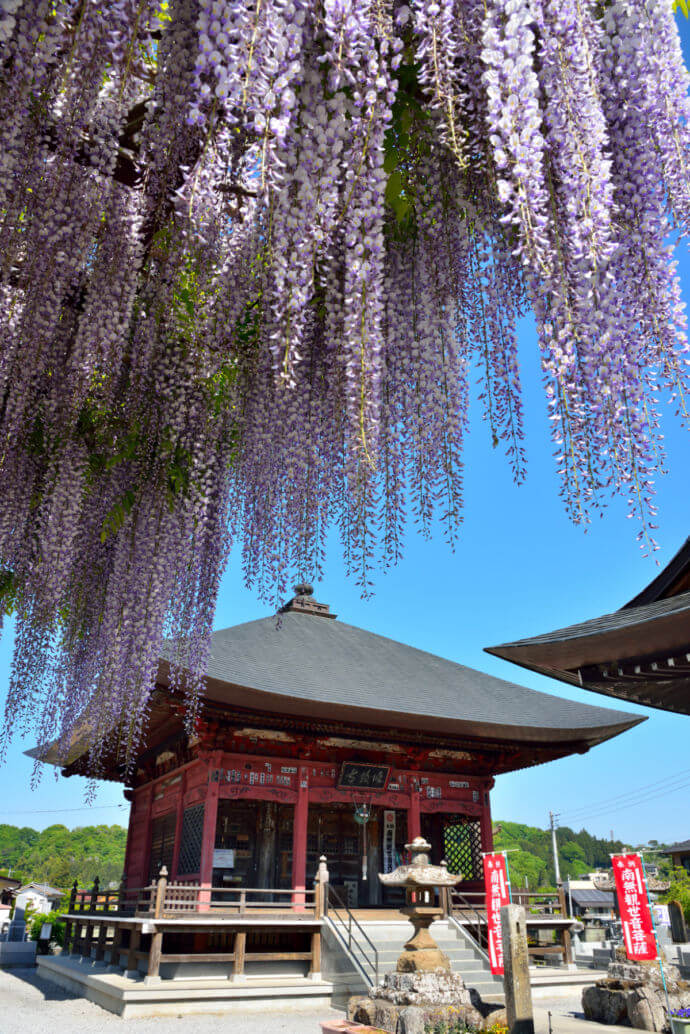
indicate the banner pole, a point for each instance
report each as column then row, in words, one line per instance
column 510, row 886
column 656, row 939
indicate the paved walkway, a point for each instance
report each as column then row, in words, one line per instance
column 29, row 1004
column 567, row 1017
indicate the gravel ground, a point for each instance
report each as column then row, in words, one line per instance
column 30, row 1004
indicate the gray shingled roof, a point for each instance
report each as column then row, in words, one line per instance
column 318, row 661
column 619, row 620
column 661, row 585
column 592, row 897
column 684, row 845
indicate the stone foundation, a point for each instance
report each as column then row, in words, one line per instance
column 406, row 1003
column 632, row 993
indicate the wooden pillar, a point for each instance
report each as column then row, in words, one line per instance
column 139, row 852
column 93, row 899
column 132, row 960
column 115, row 949
column 374, row 833
column 100, row 943
column 69, row 925
column 299, row 837
column 76, row 938
column 485, row 820
column 414, row 821
column 239, row 947
column 155, row 951
column 268, row 829
column 178, row 827
column 315, row 967
column 129, row 797
column 208, row 841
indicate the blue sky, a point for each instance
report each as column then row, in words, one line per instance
column 520, row 568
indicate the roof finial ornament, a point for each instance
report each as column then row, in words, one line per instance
column 303, row 602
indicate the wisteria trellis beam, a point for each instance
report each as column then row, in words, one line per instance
column 251, row 256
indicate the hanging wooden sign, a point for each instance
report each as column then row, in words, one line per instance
column 388, row 841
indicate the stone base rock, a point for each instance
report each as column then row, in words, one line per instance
column 632, row 993
column 407, row 1003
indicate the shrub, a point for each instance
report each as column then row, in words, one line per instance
column 57, row 934
column 680, row 891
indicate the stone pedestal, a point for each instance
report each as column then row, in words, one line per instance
column 408, row 1003
column 421, row 954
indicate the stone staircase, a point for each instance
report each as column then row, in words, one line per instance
column 465, row 958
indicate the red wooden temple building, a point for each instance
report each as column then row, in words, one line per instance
column 319, row 738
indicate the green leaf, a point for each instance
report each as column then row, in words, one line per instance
column 391, row 161
column 116, row 516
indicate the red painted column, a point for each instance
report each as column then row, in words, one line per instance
column 129, row 797
column 139, row 838
column 208, row 840
column 178, row 827
column 414, row 821
column 299, row 836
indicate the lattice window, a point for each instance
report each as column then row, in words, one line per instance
column 190, row 846
column 462, row 847
column 162, row 844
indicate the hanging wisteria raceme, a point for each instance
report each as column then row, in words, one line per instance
column 254, row 257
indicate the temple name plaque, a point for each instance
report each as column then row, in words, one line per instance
column 356, row 776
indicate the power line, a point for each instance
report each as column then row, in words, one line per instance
column 60, row 811
column 629, row 793
column 634, row 803
column 665, row 785
column 644, row 799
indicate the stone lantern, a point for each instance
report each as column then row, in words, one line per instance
column 421, row 879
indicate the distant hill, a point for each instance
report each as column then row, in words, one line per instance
column 530, row 853
column 58, row 855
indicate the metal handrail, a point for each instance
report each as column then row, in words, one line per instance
column 333, row 896
column 479, row 920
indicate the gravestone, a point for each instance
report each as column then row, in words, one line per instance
column 679, row 933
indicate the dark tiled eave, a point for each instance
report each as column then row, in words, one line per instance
column 637, row 654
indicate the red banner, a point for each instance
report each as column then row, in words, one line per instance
column 633, row 903
column 497, row 895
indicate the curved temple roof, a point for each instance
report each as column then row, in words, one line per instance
column 300, row 665
column 640, row 653
column 303, row 664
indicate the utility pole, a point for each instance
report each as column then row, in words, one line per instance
column 554, row 844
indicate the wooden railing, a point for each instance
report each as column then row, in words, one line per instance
column 132, row 923
column 169, row 899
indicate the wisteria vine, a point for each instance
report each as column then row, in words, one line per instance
column 253, row 255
